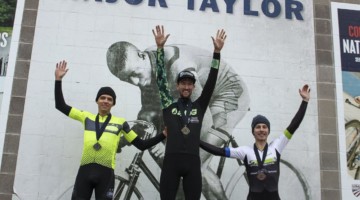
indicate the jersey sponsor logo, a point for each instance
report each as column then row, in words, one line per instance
column 193, row 112
column 110, row 193
column 110, row 128
column 194, row 120
column 113, row 128
column 253, row 163
column 175, row 111
column 270, row 161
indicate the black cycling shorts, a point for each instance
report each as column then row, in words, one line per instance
column 94, row 177
column 175, row 167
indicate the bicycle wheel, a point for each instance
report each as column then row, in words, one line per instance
column 237, row 186
column 121, row 188
column 352, row 134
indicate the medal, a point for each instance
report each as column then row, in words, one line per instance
column 261, row 174
column 185, row 116
column 97, row 146
column 185, row 130
column 100, row 130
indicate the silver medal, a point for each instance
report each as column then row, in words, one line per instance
column 185, row 130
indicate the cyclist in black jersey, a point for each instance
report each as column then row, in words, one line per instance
column 183, row 120
column 262, row 159
column 102, row 133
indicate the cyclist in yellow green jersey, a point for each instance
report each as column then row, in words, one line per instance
column 102, row 133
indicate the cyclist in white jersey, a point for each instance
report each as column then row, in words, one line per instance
column 262, row 159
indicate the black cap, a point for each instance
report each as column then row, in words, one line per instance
column 186, row 74
column 258, row 119
column 108, row 91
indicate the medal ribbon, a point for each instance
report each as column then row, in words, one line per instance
column 260, row 162
column 184, row 116
column 100, row 130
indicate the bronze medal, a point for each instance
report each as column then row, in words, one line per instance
column 185, row 130
column 185, row 107
column 261, row 175
column 99, row 130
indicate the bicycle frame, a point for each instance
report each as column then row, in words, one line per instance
column 137, row 165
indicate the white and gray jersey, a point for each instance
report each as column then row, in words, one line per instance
column 271, row 163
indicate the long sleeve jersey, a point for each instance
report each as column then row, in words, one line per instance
column 110, row 138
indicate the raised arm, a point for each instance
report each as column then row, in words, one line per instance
column 299, row 116
column 209, row 86
column 161, row 79
column 60, row 72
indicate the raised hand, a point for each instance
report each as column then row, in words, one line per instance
column 160, row 37
column 357, row 99
column 305, row 92
column 219, row 40
column 60, row 70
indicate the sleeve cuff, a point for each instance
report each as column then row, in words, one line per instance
column 287, row 134
column 216, row 56
column 227, row 152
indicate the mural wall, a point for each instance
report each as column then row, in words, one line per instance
column 268, row 56
column 346, row 33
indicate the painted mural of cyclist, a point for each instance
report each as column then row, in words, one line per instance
column 228, row 104
column 262, row 160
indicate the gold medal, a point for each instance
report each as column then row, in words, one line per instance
column 185, row 130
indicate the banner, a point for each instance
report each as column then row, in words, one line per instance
column 346, row 31
column 349, row 30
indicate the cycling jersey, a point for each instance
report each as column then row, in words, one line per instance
column 109, row 140
column 177, row 142
column 271, row 163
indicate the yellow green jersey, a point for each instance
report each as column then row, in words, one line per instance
column 108, row 141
